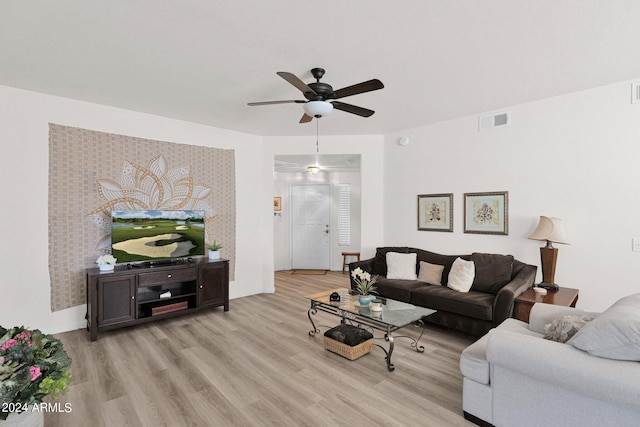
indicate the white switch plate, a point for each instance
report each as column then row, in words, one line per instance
column 635, row 244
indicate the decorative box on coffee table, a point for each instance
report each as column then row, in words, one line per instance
column 348, row 341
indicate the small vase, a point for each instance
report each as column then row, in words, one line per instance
column 365, row 300
column 106, row 267
column 213, row 255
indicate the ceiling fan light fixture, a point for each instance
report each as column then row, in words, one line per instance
column 318, row 108
column 313, row 169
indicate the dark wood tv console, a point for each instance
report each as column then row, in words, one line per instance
column 131, row 295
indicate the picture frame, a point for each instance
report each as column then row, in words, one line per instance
column 486, row 213
column 435, row 212
column 277, row 203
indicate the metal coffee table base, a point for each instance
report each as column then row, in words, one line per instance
column 390, row 339
column 373, row 324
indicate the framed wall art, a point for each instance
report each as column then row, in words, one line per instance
column 277, row 203
column 435, row 212
column 486, row 213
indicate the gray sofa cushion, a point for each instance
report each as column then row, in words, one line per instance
column 471, row 304
column 493, row 271
column 615, row 334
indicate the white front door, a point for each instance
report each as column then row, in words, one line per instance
column 310, row 227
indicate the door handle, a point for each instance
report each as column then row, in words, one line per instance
column 326, row 230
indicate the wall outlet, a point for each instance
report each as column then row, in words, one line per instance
column 635, row 242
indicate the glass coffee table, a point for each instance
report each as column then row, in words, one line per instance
column 393, row 316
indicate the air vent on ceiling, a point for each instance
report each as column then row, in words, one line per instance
column 635, row 92
column 492, row 121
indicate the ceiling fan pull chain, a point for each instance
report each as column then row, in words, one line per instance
column 317, row 135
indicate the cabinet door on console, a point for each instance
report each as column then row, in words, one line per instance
column 116, row 299
column 213, row 285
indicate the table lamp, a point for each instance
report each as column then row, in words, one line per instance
column 550, row 230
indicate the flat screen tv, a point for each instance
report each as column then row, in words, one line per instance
column 154, row 235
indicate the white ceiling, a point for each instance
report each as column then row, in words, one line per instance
column 203, row 60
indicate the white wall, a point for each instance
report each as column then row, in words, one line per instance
column 24, row 135
column 370, row 148
column 575, row 157
column 282, row 220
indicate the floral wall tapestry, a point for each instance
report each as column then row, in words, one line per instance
column 92, row 173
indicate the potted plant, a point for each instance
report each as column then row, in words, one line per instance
column 214, row 250
column 32, row 365
column 106, row 262
column 364, row 285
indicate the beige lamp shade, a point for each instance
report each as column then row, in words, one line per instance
column 550, row 230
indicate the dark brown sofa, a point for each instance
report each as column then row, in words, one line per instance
column 485, row 306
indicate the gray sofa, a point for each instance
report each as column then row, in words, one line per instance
column 488, row 303
column 514, row 377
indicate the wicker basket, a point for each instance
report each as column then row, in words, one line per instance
column 349, row 352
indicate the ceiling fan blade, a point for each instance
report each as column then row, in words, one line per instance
column 353, row 109
column 305, row 118
column 294, row 80
column 363, row 87
column 276, row 102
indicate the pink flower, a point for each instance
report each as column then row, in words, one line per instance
column 8, row 344
column 35, row 372
column 23, row 336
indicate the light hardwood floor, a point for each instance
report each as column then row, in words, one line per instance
column 257, row 366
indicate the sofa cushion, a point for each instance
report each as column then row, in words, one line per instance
column 475, row 305
column 396, row 289
column 461, row 275
column 430, row 273
column 401, row 266
column 380, row 260
column 614, row 334
column 565, row 327
column 492, row 272
column 444, row 260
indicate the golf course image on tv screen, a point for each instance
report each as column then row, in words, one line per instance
column 148, row 235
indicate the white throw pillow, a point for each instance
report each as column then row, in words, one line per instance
column 461, row 275
column 430, row 273
column 614, row 334
column 401, row 266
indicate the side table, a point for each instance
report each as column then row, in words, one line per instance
column 567, row 297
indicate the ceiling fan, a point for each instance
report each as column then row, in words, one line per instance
column 320, row 96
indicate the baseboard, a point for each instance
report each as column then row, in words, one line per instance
column 65, row 328
column 477, row 421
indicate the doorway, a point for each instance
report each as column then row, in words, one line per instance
column 334, row 171
column 311, row 226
